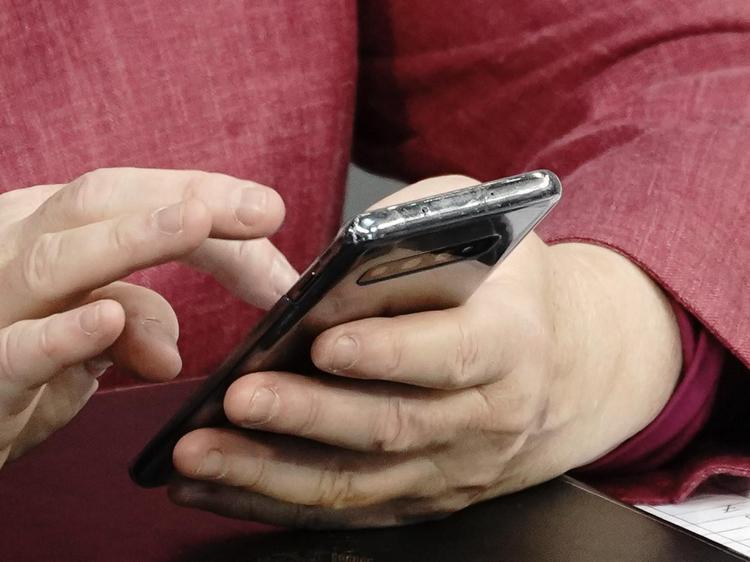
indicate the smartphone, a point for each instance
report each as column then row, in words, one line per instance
column 421, row 255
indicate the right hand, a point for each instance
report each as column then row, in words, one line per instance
column 65, row 317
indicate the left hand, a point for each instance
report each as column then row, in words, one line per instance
column 65, row 316
column 431, row 412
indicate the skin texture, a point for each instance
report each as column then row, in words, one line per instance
column 562, row 354
column 65, row 316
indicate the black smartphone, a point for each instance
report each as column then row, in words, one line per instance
column 421, row 255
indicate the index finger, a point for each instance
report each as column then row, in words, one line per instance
column 239, row 208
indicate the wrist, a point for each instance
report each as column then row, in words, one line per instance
column 620, row 355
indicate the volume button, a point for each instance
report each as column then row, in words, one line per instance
column 302, row 284
column 275, row 322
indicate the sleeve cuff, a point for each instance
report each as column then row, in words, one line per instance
column 685, row 413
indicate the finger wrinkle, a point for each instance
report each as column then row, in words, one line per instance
column 390, row 432
column 256, row 477
column 155, row 327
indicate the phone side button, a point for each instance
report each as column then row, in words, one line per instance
column 280, row 326
column 302, row 284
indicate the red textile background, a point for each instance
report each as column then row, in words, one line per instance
column 641, row 107
column 262, row 90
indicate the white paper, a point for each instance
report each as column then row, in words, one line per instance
column 716, row 513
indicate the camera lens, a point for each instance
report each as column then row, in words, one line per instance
column 412, row 263
column 442, row 257
column 377, row 272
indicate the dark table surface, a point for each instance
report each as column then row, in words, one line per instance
column 71, row 499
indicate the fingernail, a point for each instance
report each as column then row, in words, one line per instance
column 262, row 406
column 283, row 276
column 344, row 353
column 169, row 219
column 96, row 366
column 212, row 464
column 89, row 319
column 251, row 204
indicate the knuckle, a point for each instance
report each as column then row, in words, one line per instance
column 335, row 489
column 249, row 256
column 49, row 345
column 8, row 350
column 484, row 412
column 123, row 239
column 247, row 250
column 39, row 265
column 394, row 362
column 87, row 191
column 311, row 420
column 391, row 431
column 254, row 477
column 196, row 181
column 465, row 360
column 81, row 192
column 511, row 415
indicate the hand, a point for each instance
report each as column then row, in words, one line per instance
column 65, row 317
column 563, row 353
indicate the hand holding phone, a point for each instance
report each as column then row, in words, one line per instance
column 432, row 411
column 436, row 411
column 427, row 254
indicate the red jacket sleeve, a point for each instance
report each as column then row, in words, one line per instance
column 682, row 417
column 641, row 107
column 259, row 90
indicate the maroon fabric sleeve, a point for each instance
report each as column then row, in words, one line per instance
column 721, row 448
column 684, row 415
